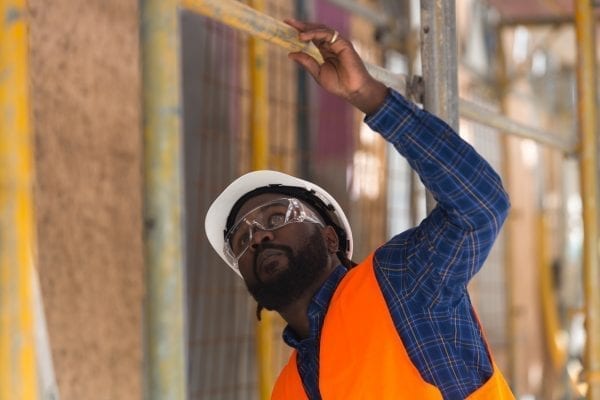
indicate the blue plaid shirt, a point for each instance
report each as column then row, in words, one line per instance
column 423, row 272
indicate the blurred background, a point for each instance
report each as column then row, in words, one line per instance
column 89, row 299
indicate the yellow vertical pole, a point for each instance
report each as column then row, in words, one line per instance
column 164, row 344
column 18, row 379
column 260, row 100
column 550, row 317
column 259, row 132
column 587, row 118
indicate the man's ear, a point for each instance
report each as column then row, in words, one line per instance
column 331, row 239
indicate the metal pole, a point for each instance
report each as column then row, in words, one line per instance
column 259, row 105
column 376, row 18
column 259, row 132
column 477, row 113
column 587, row 117
column 18, row 375
column 550, row 318
column 164, row 355
column 438, row 58
column 509, row 225
column 554, row 21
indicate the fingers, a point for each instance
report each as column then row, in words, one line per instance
column 309, row 63
column 301, row 25
column 295, row 24
column 319, row 34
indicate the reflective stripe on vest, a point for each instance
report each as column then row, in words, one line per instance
column 362, row 355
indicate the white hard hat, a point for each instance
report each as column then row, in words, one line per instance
column 219, row 210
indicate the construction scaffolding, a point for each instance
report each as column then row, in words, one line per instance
column 439, row 82
column 200, row 336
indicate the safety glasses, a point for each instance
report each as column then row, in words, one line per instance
column 267, row 217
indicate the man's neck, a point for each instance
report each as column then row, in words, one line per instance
column 296, row 314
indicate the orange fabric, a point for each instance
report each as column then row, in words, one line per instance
column 357, row 362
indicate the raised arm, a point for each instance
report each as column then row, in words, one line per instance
column 449, row 246
column 442, row 254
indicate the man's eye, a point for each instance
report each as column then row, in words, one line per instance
column 276, row 220
column 242, row 241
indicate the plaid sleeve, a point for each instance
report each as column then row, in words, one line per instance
column 451, row 244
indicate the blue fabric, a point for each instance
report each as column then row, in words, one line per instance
column 423, row 272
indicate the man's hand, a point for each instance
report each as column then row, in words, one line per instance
column 343, row 72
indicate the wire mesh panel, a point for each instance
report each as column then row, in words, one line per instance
column 221, row 313
column 221, row 347
column 367, row 179
column 282, row 138
column 489, row 287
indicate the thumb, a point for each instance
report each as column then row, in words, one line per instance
column 307, row 62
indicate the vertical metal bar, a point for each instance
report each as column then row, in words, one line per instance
column 587, row 117
column 164, row 354
column 509, row 226
column 439, row 62
column 259, row 132
column 18, row 375
column 550, row 318
column 259, row 105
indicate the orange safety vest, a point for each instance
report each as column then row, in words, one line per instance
column 362, row 355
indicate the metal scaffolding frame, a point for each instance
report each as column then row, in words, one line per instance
column 164, row 323
column 437, row 19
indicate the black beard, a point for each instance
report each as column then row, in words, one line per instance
column 302, row 271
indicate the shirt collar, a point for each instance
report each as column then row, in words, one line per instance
column 317, row 309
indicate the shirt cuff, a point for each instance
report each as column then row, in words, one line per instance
column 393, row 111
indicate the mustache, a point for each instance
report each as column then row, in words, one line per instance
column 259, row 248
column 274, row 246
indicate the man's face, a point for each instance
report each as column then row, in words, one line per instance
column 280, row 265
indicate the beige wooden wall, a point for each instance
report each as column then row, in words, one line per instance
column 85, row 86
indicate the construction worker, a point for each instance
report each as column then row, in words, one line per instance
column 399, row 325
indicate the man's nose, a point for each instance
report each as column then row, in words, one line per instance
column 260, row 235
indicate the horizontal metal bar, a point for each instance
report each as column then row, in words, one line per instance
column 377, row 18
column 241, row 17
column 487, row 117
column 552, row 20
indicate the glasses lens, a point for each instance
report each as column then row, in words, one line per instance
column 239, row 238
column 269, row 216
